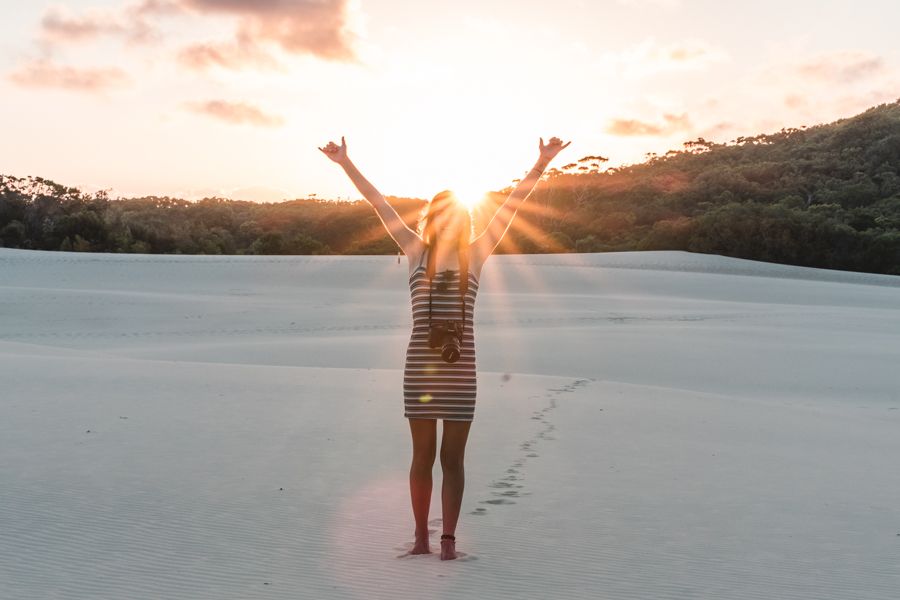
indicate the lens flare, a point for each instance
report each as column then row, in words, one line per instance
column 470, row 195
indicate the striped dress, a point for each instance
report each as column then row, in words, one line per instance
column 432, row 387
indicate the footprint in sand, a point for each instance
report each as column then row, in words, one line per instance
column 527, row 448
column 406, row 549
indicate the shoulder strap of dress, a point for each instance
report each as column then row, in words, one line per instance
column 422, row 256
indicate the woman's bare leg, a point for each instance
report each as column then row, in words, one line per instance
column 453, row 447
column 424, row 437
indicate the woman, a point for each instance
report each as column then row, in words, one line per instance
column 435, row 385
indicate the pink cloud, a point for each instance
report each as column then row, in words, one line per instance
column 243, row 52
column 44, row 74
column 855, row 103
column 235, row 112
column 841, row 67
column 59, row 25
column 295, row 26
column 795, row 101
column 313, row 27
column 628, row 127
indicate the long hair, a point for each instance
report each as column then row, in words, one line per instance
column 447, row 200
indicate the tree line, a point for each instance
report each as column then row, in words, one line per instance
column 826, row 196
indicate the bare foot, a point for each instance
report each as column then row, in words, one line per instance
column 421, row 545
column 448, row 549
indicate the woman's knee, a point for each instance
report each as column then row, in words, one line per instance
column 452, row 462
column 424, row 443
column 423, row 461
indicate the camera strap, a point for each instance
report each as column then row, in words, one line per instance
column 462, row 298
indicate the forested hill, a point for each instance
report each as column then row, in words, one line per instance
column 823, row 196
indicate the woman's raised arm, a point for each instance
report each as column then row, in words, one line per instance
column 405, row 237
column 485, row 243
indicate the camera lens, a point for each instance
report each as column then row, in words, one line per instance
column 450, row 351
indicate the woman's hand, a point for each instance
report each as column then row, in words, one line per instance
column 552, row 148
column 336, row 153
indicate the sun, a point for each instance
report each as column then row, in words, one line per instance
column 470, row 195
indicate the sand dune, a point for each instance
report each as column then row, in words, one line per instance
column 649, row 425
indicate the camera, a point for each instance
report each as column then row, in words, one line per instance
column 448, row 337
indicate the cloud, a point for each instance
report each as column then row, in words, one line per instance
column 59, row 25
column 841, row 67
column 630, row 127
column 846, row 67
column 295, row 26
column 157, row 7
column 314, row 27
column 795, row 101
column 243, row 52
column 648, row 57
column 851, row 104
column 824, row 86
column 43, row 73
column 235, row 113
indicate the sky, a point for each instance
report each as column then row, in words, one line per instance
column 232, row 98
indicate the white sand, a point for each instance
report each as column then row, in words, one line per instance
column 649, row 425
